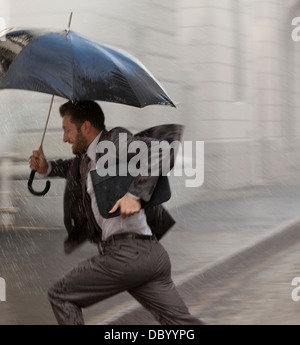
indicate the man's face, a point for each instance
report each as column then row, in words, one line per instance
column 74, row 136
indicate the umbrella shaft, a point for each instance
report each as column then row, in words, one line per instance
column 69, row 24
column 51, row 103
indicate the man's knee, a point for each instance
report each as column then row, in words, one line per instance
column 55, row 292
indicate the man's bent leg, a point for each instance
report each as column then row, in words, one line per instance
column 86, row 284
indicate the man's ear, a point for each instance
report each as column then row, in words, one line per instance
column 86, row 127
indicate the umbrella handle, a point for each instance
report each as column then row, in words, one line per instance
column 32, row 191
column 32, row 174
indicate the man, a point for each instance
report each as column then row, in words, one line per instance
column 130, row 256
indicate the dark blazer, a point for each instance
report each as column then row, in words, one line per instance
column 76, row 217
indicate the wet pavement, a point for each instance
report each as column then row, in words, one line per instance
column 210, row 228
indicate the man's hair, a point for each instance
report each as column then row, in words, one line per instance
column 84, row 111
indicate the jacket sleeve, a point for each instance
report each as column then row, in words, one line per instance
column 60, row 168
column 156, row 155
column 162, row 144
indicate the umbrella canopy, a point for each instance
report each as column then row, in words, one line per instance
column 68, row 65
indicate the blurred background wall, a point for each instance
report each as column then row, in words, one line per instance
column 231, row 67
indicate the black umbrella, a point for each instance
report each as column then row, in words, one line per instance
column 68, row 65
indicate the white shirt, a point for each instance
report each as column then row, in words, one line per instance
column 135, row 223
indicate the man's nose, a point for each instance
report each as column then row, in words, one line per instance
column 65, row 138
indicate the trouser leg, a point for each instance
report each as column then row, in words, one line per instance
column 86, row 284
column 142, row 267
column 160, row 295
column 125, row 265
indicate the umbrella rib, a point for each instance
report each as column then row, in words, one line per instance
column 117, row 64
column 143, row 68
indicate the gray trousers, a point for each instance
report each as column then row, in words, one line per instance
column 140, row 266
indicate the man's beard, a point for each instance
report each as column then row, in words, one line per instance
column 80, row 144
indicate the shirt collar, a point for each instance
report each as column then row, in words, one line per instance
column 91, row 151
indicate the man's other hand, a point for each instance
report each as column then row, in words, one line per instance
column 128, row 206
